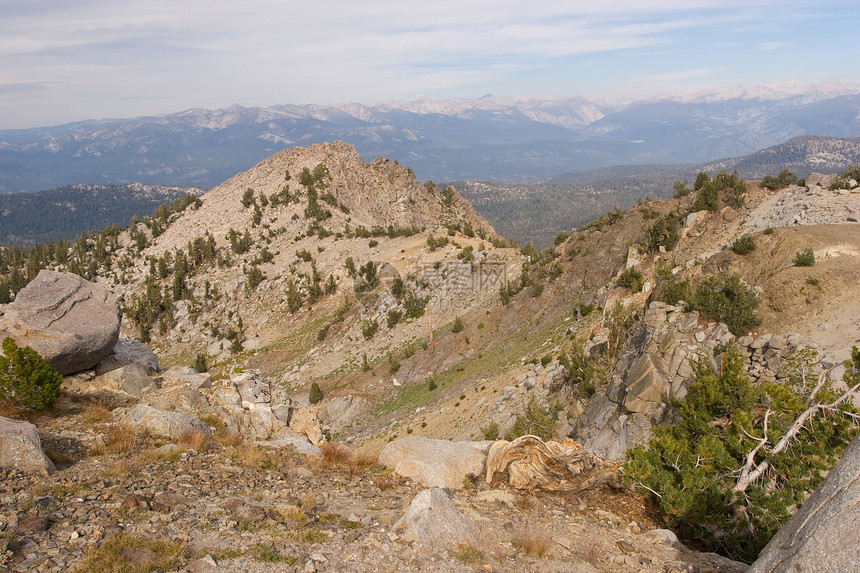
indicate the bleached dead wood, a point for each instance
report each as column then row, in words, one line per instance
column 750, row 472
column 531, row 463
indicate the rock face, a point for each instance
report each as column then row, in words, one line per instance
column 822, row 536
column 435, row 463
column 21, row 448
column 70, row 321
column 433, row 520
column 654, row 369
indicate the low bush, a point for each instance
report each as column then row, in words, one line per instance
column 534, row 421
column 744, row 245
column 26, row 378
column 315, row 394
column 744, row 456
column 805, row 258
column 726, row 298
column 631, row 279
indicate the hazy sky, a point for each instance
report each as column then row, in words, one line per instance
column 68, row 60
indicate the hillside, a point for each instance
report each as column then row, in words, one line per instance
column 415, row 319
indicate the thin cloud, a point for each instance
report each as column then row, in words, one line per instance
column 133, row 58
column 770, row 46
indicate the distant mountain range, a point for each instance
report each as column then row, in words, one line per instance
column 489, row 138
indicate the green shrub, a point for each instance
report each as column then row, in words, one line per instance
column 315, row 394
column 26, row 378
column 726, row 298
column 533, row 421
column 805, row 258
column 744, row 245
column 663, row 233
column 490, row 431
column 581, row 371
column 676, row 291
column 707, row 199
column 730, row 472
column 369, row 328
column 631, row 279
column 784, row 179
column 393, row 317
column 681, row 189
column 457, row 326
column 200, row 362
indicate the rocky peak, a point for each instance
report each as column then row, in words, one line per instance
column 381, row 193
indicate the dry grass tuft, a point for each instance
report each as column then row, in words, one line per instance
column 121, row 468
column 13, row 410
column 254, row 457
column 96, row 412
column 123, row 438
column 339, row 456
column 594, row 554
column 222, row 435
column 468, row 555
column 334, row 455
column 125, row 553
column 195, row 439
column 532, row 543
column 384, row 481
column 360, row 463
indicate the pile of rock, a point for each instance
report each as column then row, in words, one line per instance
column 814, row 204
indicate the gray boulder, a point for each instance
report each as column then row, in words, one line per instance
column 131, row 380
column 433, row 520
column 21, row 448
column 822, row 535
column 435, row 463
column 127, row 352
column 171, row 425
column 73, row 323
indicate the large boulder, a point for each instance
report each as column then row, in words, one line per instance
column 131, row 381
column 164, row 423
column 435, row 463
column 127, row 352
column 21, row 448
column 305, row 422
column 433, row 520
column 71, row 322
column 822, row 535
